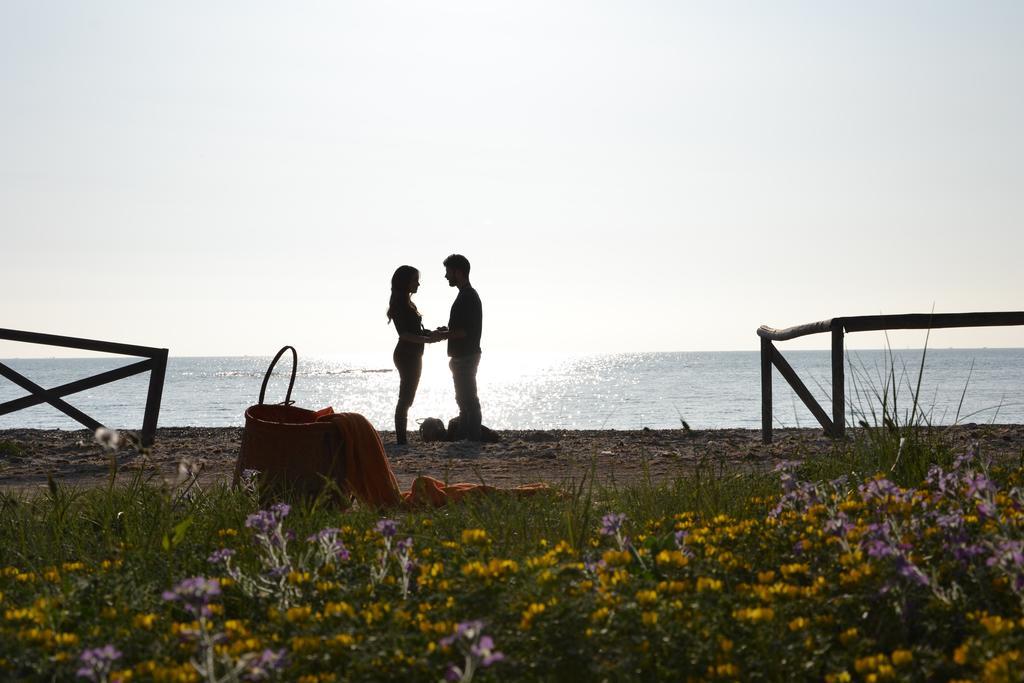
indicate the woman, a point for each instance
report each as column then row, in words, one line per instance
column 412, row 336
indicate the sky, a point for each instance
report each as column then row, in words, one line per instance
column 222, row 178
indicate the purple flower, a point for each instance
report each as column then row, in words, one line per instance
column 909, row 570
column 387, row 528
column 404, row 546
column 467, row 629
column 880, row 490
column 327, row 535
column 1007, row 553
column 261, row 522
column 880, row 547
column 484, row 651
column 331, row 544
column 943, row 482
column 96, row 663
column 195, row 594
column 220, row 556
column 978, row 485
column 267, row 521
column 987, row 510
column 839, row 525
column 965, row 552
column 277, row 572
column 611, row 524
column 260, row 667
column 952, row 520
column 477, row 648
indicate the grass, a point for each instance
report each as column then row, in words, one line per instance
column 10, row 449
column 890, row 558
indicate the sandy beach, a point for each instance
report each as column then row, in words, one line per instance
column 28, row 456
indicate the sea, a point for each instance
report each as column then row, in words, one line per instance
column 628, row 391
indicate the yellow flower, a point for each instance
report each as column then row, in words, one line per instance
column 298, row 578
column 334, row 609
column 65, row 639
column 298, row 613
column 960, row 654
column 871, row 663
column 647, row 597
column 531, row 612
column 615, row 558
column 849, row 635
column 305, row 643
column 672, row 587
column 144, row 621
column 649, row 618
column 727, row 670
column 674, row 558
column 841, row 677
column 901, row 657
column 706, row 583
column 600, row 614
column 235, row 628
column 795, row 568
column 754, row 614
column 474, row 537
column 798, row 624
column 996, row 624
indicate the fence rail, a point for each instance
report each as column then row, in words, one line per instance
column 838, row 327
column 155, row 364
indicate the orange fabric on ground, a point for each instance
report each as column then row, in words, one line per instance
column 368, row 474
column 430, row 491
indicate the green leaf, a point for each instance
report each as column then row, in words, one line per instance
column 180, row 529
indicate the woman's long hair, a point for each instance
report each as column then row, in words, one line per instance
column 400, row 291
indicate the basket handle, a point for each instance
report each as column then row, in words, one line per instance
column 266, row 378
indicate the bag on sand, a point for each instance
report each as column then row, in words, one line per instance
column 432, row 429
column 288, row 447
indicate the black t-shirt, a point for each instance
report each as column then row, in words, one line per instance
column 467, row 314
column 408, row 321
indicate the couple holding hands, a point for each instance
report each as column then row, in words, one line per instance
column 462, row 333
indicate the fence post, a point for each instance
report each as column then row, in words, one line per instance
column 156, row 389
column 766, row 389
column 838, row 382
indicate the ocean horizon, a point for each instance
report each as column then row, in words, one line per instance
column 707, row 390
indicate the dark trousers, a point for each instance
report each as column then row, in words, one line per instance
column 464, row 376
column 410, row 367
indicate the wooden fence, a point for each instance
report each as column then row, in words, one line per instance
column 155, row 363
column 835, row 425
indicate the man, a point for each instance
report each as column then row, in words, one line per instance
column 464, row 325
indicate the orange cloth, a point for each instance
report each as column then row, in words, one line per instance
column 430, row 491
column 368, row 474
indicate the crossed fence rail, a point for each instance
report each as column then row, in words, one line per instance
column 835, row 426
column 155, row 363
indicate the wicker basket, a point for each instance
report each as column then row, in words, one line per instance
column 292, row 452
